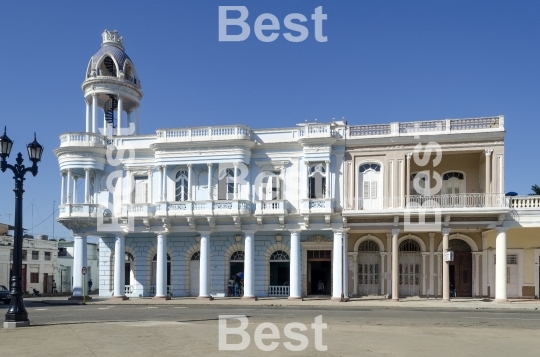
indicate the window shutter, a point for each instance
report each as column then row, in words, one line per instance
column 366, row 190
column 374, row 190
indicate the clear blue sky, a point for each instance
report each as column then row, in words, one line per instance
column 384, row 61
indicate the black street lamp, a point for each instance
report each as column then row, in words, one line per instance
column 16, row 314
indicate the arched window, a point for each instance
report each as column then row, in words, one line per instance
column 453, row 183
column 129, row 257
column 238, row 256
column 368, row 246
column 196, row 256
column 317, row 181
column 270, row 188
column 181, row 186
column 279, row 255
column 409, row 245
column 370, row 186
column 108, row 67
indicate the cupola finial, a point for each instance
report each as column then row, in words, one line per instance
column 112, row 38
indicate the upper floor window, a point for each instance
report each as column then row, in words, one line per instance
column 141, row 189
column 226, row 184
column 270, row 188
column 370, row 185
column 453, row 183
column 181, row 188
column 35, row 255
column 317, row 181
column 47, row 255
column 419, row 182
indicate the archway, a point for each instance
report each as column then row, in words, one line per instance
column 409, row 268
column 236, row 271
column 279, row 274
column 460, row 269
column 194, row 266
column 369, row 268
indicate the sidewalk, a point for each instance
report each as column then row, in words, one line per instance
column 422, row 303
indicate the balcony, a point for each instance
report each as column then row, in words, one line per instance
column 138, row 210
column 524, row 202
column 83, row 140
column 316, row 205
column 267, row 208
column 449, row 201
column 309, row 131
column 203, row 134
column 79, row 210
column 203, row 208
column 447, row 126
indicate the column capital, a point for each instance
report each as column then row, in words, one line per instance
column 446, row 231
column 86, row 169
column 477, row 254
column 88, row 101
column 409, row 155
column 189, row 166
column 205, row 233
column 295, row 231
column 75, row 177
column 389, row 235
column 95, row 95
column 395, row 231
column 306, row 163
column 80, row 235
column 431, row 235
column 327, row 162
column 424, row 254
column 501, row 229
column 488, row 152
column 235, row 164
column 209, row 164
column 250, row 233
column 63, row 173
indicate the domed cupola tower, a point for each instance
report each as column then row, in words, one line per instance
column 113, row 86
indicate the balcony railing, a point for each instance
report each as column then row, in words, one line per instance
column 138, row 210
column 238, row 132
column 83, row 140
column 316, row 131
column 270, row 207
column 525, row 202
column 83, row 210
column 317, row 205
column 462, row 200
column 447, row 126
column 202, row 208
column 153, row 290
column 278, row 290
column 128, row 289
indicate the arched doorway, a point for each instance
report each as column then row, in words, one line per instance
column 236, row 269
column 279, row 274
column 128, row 273
column 460, row 269
column 194, row 266
column 370, row 186
column 409, row 268
column 369, row 262
column 154, row 273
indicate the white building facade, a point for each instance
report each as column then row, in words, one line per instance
column 317, row 208
column 64, row 273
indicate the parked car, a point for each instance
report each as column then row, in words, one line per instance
column 4, row 294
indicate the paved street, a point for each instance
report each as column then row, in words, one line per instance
column 192, row 330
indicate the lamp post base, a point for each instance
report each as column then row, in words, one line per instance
column 15, row 324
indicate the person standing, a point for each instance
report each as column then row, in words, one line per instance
column 89, row 285
column 230, row 286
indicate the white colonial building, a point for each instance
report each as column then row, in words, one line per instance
column 180, row 211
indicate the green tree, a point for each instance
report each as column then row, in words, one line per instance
column 535, row 190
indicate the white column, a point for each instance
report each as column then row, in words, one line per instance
column 161, row 267
column 395, row 265
column 383, row 256
column 69, row 186
column 345, row 265
column 204, row 269
column 164, row 183
column 137, row 121
column 235, row 181
column 488, row 170
column 389, row 264
column 408, row 179
column 79, row 262
column 119, row 267
column 249, row 265
column 500, row 178
column 446, row 267
column 88, row 116
column 401, row 184
column 337, row 270
column 439, row 274
column 327, row 182
column 306, row 193
column 295, row 292
column 484, row 264
column 128, row 122
column 95, row 128
column 120, row 110
column 500, row 265
column 210, row 182
column 63, row 189
column 75, row 198
column 431, row 264
column 189, row 182
column 86, row 185
column 355, row 274
column 477, row 273
column 424, row 254
column 392, row 199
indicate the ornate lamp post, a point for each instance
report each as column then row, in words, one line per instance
column 16, row 315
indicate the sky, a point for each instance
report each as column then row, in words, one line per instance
column 383, row 61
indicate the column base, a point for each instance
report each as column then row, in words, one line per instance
column 123, row 297
column 15, row 324
column 394, row 300
column 79, row 298
column 338, row 299
column 161, row 298
column 252, row 298
column 208, row 298
column 292, row 298
column 501, row 300
column 445, row 300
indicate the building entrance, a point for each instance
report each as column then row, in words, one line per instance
column 319, row 271
column 460, row 269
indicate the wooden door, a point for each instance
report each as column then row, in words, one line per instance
column 463, row 277
column 45, row 283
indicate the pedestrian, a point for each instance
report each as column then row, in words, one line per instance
column 89, row 285
column 320, row 287
column 230, row 286
column 236, row 288
column 54, row 287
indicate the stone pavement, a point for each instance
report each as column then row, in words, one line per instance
column 416, row 303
